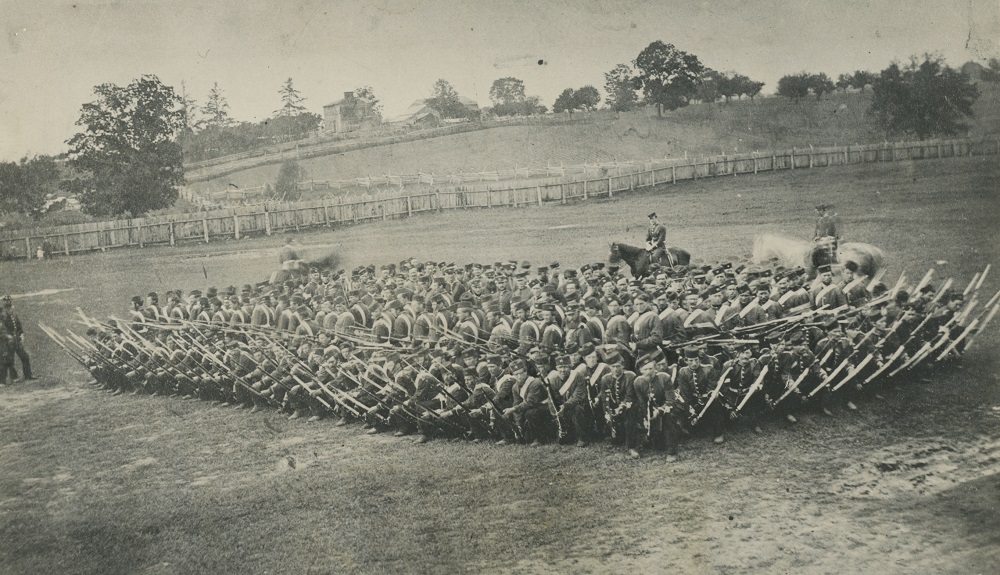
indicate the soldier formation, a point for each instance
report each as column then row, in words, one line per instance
column 514, row 354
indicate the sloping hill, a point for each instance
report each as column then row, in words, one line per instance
column 706, row 129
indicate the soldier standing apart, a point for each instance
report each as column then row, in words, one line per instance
column 826, row 225
column 12, row 326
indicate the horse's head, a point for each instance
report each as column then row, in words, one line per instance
column 616, row 255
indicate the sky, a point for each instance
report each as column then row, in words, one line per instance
column 55, row 51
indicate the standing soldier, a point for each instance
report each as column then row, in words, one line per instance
column 13, row 327
column 826, row 225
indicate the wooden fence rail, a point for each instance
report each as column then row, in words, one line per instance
column 267, row 219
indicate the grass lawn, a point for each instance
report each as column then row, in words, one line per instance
column 91, row 483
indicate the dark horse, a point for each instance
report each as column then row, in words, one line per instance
column 638, row 260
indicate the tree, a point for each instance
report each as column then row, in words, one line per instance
column 728, row 85
column 24, row 185
column 127, row 155
column 286, row 187
column 566, row 102
column 794, row 86
column 752, row 88
column 445, row 101
column 820, row 84
column 925, row 98
column 507, row 95
column 991, row 73
column 844, row 82
column 620, row 87
column 668, row 77
column 189, row 111
column 216, row 109
column 709, row 89
column 368, row 94
column 291, row 101
column 861, row 78
column 587, row 98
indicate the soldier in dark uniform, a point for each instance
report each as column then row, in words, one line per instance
column 656, row 237
column 826, row 225
column 12, row 325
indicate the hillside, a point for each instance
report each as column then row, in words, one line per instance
column 706, row 129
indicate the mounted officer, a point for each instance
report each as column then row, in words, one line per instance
column 656, row 237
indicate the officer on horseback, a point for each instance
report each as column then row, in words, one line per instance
column 656, row 237
column 827, row 235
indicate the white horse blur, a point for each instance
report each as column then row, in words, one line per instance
column 791, row 252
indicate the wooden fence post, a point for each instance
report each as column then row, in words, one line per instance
column 611, row 192
column 326, row 214
column 204, row 226
column 695, row 170
column 489, row 199
column 792, row 155
column 755, row 163
column 267, row 221
column 236, row 226
column 584, row 191
column 172, row 239
column 409, row 207
column 673, row 174
column 142, row 242
column 27, row 247
column 437, row 198
column 538, row 192
column 66, row 244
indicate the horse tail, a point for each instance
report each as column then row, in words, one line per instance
column 788, row 251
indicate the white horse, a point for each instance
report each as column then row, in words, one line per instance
column 791, row 252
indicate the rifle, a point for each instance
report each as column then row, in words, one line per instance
column 757, row 384
column 715, row 394
column 989, row 318
column 802, row 376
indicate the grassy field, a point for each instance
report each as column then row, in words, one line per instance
column 91, row 483
column 766, row 124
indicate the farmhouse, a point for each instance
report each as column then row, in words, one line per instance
column 349, row 114
column 422, row 115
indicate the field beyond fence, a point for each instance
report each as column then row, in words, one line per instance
column 267, row 219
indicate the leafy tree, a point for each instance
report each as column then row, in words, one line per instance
column 820, row 84
column 445, row 101
column 216, row 109
column 620, row 87
column 667, row 76
column 507, row 91
column 587, row 98
column 127, row 155
column 367, row 93
column 992, row 71
column 925, row 98
column 709, row 89
column 533, row 105
column 751, row 88
column 291, row 101
column 24, row 185
column 507, row 95
column 844, row 81
column 861, row 79
column 729, row 86
column 286, row 186
column 794, row 86
column 566, row 102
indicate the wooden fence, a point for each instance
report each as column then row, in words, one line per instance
column 266, row 219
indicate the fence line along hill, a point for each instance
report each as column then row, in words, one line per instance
column 266, row 219
column 597, row 137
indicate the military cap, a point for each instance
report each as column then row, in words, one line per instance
column 570, row 273
column 534, row 282
column 743, row 288
column 598, row 266
column 592, row 302
column 956, row 296
column 521, row 274
column 613, row 269
column 642, row 296
column 796, row 338
column 493, row 359
column 563, row 361
column 518, row 365
column 763, row 286
column 587, row 349
column 572, row 347
column 824, row 269
column 613, row 358
column 135, row 298
column 651, row 215
column 902, row 296
column 526, row 264
column 927, row 289
column 690, row 352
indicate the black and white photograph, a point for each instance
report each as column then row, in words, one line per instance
column 439, row 286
